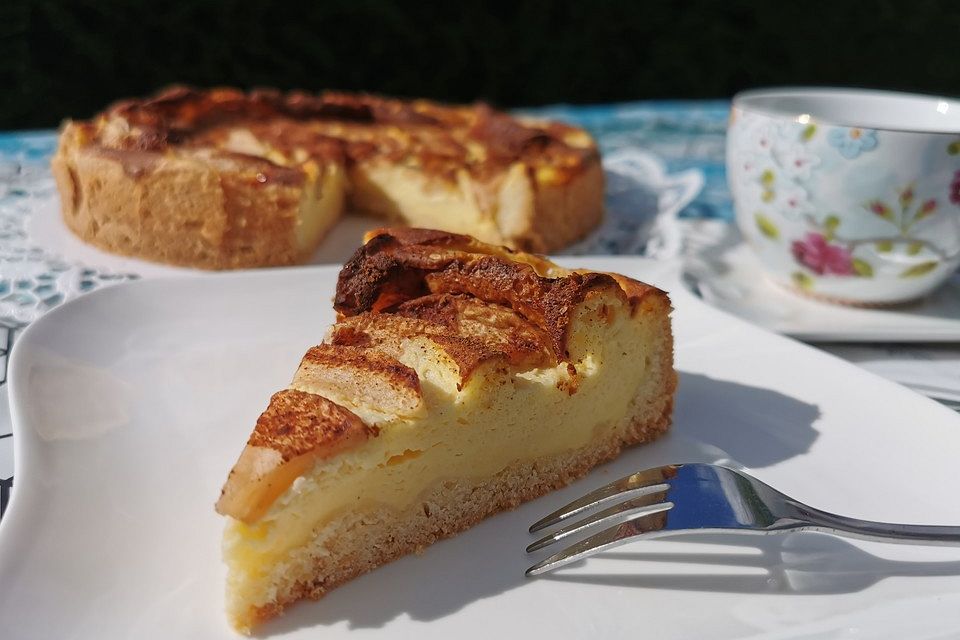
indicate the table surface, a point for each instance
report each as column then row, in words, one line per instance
column 683, row 134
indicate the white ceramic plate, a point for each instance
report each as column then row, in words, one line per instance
column 131, row 404
column 734, row 282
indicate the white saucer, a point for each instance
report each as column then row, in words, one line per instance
column 732, row 279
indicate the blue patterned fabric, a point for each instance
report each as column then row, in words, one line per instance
column 684, row 134
column 27, row 146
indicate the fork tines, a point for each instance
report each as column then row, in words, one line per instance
column 698, row 498
column 639, row 497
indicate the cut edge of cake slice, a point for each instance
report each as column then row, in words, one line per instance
column 461, row 379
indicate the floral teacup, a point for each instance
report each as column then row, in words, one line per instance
column 849, row 195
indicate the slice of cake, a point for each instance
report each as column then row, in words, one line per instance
column 461, row 380
column 222, row 179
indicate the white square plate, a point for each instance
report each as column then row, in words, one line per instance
column 131, row 404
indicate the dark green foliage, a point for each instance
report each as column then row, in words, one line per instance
column 61, row 58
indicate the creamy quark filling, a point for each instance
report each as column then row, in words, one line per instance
column 321, row 203
column 422, row 200
column 497, row 418
column 390, row 190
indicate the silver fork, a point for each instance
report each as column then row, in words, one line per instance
column 680, row 499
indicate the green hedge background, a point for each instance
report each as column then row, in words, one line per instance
column 60, row 59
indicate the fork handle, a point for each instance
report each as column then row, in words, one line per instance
column 816, row 520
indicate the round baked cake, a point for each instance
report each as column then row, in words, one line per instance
column 223, row 179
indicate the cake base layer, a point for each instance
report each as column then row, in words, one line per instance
column 192, row 212
column 360, row 541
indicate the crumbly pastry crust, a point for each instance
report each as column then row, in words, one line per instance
column 486, row 309
column 170, row 179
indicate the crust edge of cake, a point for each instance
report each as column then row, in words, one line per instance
column 137, row 211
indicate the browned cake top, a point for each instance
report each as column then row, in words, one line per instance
column 397, row 266
column 470, row 331
column 296, row 423
column 438, row 138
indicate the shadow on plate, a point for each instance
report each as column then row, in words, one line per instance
column 714, row 420
column 708, row 259
column 798, row 563
column 753, row 426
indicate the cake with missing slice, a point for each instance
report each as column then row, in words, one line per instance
column 225, row 179
column 460, row 380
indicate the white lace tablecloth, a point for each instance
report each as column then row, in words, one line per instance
column 666, row 197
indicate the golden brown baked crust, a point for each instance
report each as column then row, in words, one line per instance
column 450, row 323
column 296, row 423
column 398, row 265
column 217, row 179
column 191, row 207
column 438, row 137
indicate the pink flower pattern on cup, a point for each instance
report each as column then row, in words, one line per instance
column 847, row 213
column 821, row 257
